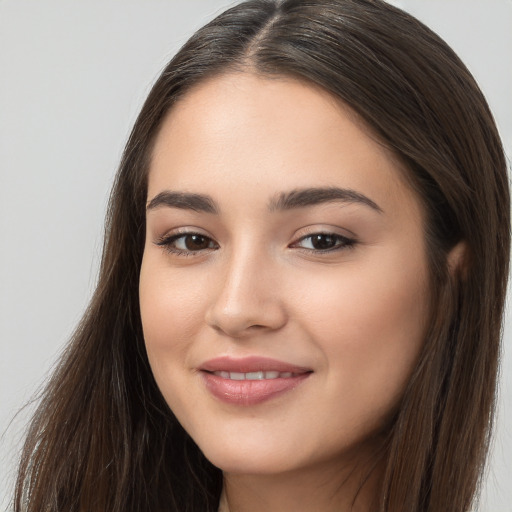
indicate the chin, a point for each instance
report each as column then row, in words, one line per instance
column 250, row 459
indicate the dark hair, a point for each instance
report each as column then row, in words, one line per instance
column 104, row 439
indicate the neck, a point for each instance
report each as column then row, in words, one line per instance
column 340, row 488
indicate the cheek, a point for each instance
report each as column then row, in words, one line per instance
column 171, row 302
column 370, row 322
column 169, row 313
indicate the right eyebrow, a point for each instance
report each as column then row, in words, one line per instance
column 183, row 200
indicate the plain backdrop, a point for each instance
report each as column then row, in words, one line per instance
column 73, row 76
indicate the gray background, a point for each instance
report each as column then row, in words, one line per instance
column 73, row 77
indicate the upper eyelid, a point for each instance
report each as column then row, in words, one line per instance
column 326, row 233
column 325, row 229
column 183, row 231
column 178, row 235
column 346, row 239
column 177, row 232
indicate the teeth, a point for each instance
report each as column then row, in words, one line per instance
column 261, row 375
column 254, row 376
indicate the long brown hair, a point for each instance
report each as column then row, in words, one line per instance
column 103, row 438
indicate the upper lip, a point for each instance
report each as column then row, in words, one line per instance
column 250, row 364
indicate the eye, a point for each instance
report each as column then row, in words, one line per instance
column 187, row 243
column 324, row 242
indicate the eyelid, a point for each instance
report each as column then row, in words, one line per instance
column 344, row 242
column 165, row 241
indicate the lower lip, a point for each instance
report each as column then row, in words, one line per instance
column 250, row 392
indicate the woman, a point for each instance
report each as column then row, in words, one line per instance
column 304, row 271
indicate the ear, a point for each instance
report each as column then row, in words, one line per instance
column 458, row 259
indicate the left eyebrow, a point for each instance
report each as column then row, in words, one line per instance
column 300, row 198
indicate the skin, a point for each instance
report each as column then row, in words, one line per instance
column 355, row 315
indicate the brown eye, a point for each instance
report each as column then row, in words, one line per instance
column 196, row 242
column 324, row 242
column 187, row 243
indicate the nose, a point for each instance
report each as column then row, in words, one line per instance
column 247, row 299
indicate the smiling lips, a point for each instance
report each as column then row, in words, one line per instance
column 250, row 380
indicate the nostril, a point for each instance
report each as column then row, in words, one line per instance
column 237, row 331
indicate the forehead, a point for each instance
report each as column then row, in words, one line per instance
column 270, row 134
column 234, row 103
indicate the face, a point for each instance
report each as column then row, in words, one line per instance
column 283, row 288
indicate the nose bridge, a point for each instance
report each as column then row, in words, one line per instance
column 246, row 296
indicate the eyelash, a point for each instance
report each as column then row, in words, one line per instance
column 341, row 242
column 167, row 243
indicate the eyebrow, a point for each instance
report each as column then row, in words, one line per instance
column 300, row 198
column 297, row 198
column 185, row 201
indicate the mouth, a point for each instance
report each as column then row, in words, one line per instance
column 251, row 380
column 258, row 375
